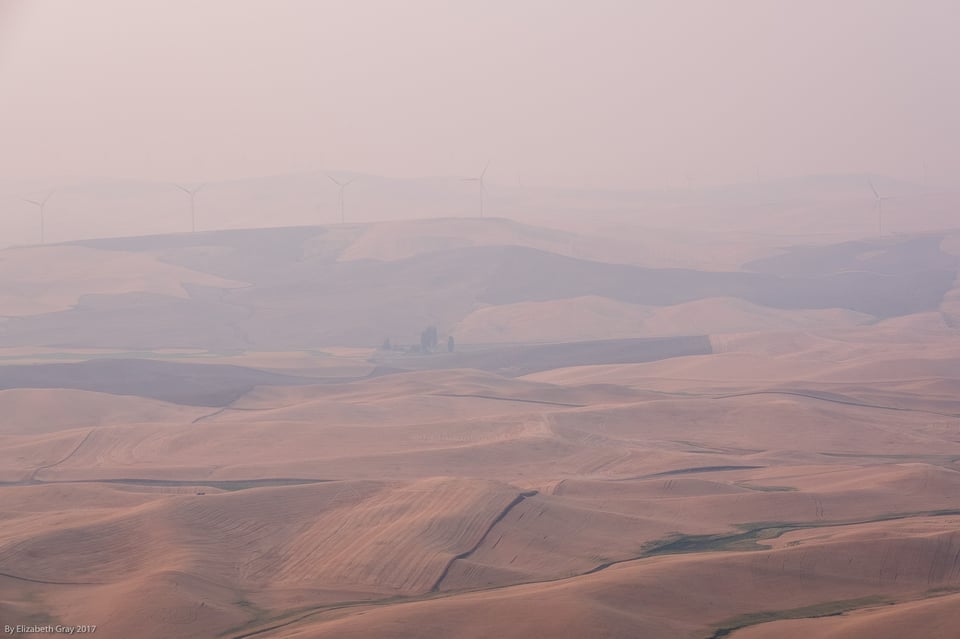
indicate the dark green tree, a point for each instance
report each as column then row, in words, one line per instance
column 428, row 339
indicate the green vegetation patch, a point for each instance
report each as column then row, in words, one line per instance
column 829, row 609
column 677, row 543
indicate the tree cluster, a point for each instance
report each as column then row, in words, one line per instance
column 429, row 341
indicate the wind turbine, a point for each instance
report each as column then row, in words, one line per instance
column 878, row 200
column 483, row 187
column 42, row 205
column 193, row 201
column 343, row 188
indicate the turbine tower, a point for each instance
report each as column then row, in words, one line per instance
column 483, row 186
column 192, row 193
column 878, row 203
column 42, row 206
column 343, row 188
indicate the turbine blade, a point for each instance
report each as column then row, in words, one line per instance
column 873, row 188
column 486, row 166
column 335, row 181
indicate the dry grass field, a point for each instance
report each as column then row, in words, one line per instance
column 201, row 436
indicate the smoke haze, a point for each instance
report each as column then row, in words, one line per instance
column 607, row 94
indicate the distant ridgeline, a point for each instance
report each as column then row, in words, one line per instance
column 294, row 293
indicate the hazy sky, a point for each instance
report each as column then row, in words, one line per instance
column 618, row 93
